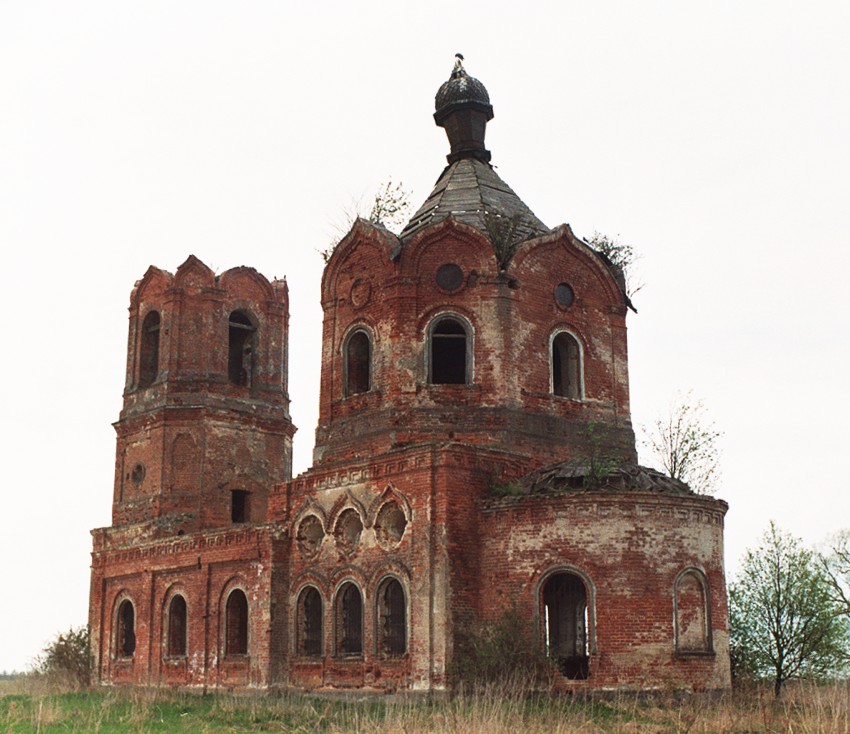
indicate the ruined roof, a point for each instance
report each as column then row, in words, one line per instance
column 471, row 191
column 578, row 475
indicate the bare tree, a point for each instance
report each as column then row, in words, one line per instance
column 390, row 207
column 836, row 565
column 685, row 443
column 783, row 623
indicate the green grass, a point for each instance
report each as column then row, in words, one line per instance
column 32, row 706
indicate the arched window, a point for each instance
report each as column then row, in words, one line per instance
column 391, row 618
column 565, row 624
column 449, row 352
column 309, row 623
column 236, row 624
column 149, row 350
column 566, row 366
column 125, row 634
column 241, row 357
column 176, row 627
column 358, row 363
column 692, row 613
column 348, row 620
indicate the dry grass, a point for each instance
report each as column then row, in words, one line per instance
column 34, row 705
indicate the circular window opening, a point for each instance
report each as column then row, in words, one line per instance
column 310, row 535
column 390, row 524
column 138, row 474
column 564, row 295
column 348, row 530
column 449, row 277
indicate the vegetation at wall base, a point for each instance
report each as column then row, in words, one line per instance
column 806, row 707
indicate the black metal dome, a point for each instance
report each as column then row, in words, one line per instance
column 461, row 89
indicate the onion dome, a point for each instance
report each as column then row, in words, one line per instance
column 463, row 109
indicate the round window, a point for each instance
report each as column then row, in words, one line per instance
column 564, row 295
column 449, row 277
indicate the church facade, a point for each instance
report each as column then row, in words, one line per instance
column 474, row 458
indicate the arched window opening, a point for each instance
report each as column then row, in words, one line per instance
column 177, row 627
column 358, row 363
column 566, row 366
column 309, row 623
column 240, row 361
column 565, row 624
column 348, row 620
column 236, row 624
column 125, row 637
column 149, row 351
column 692, row 628
column 392, row 619
column 449, row 358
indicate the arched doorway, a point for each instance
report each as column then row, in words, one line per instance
column 565, row 623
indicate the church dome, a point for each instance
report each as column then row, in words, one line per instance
column 460, row 88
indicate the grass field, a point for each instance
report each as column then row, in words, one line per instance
column 28, row 705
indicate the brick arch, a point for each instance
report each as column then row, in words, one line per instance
column 692, row 612
column 174, row 590
column 234, row 584
column 153, row 285
column 476, row 249
column 247, row 283
column 117, row 625
column 362, row 234
column 562, row 238
column 546, row 575
column 388, row 494
column 575, row 333
column 194, row 276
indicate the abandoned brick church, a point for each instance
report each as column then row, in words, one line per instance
column 474, row 455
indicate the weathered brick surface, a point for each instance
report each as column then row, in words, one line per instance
column 426, row 456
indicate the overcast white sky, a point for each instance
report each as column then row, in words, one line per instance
column 714, row 137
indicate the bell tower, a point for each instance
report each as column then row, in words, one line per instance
column 205, row 428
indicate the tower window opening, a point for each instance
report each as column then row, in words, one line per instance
column 358, row 357
column 348, row 619
column 565, row 624
column 149, row 351
column 449, row 358
column 309, row 623
column 241, row 358
column 239, row 506
column 391, row 619
column 125, row 638
column 566, row 366
column 176, row 627
column 236, row 624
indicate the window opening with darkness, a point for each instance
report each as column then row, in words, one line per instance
column 126, row 635
column 565, row 624
column 310, row 623
column 566, row 366
column 449, row 353
column 349, row 621
column 358, row 357
column 149, row 353
column 391, row 617
column 236, row 624
column 177, row 627
column 238, row 505
column 240, row 361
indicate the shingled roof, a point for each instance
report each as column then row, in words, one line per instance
column 469, row 190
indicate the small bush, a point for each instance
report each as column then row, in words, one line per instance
column 67, row 659
column 506, row 652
